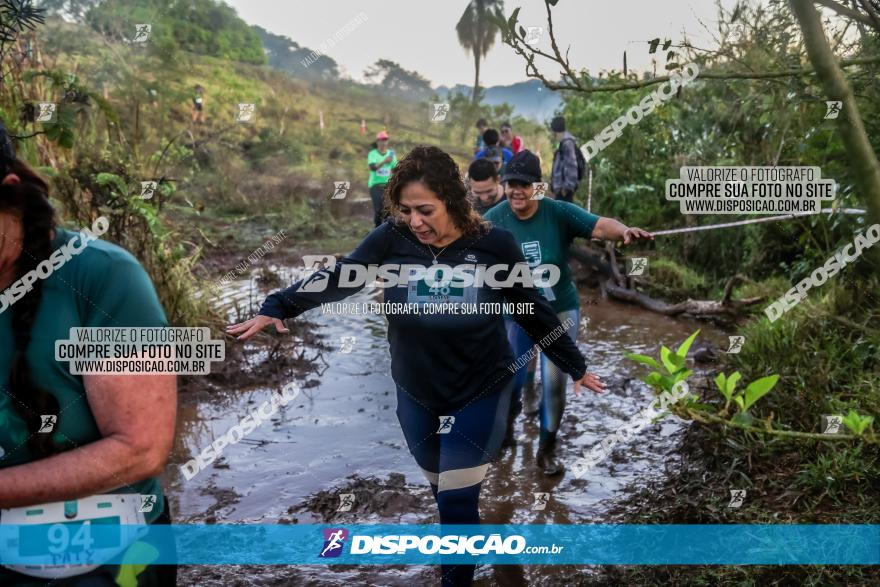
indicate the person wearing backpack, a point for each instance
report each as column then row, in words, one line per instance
column 568, row 163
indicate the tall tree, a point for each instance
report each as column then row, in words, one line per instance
column 477, row 32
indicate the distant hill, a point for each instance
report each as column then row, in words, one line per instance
column 529, row 99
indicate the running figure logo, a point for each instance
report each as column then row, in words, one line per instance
column 46, row 112
column 148, row 188
column 540, row 188
column 834, row 107
column 346, row 500
column 637, row 266
column 147, row 503
column 317, row 281
column 333, row 542
column 341, row 189
column 246, row 113
column 737, row 497
column 541, row 500
column 533, row 34
column 446, row 423
column 47, row 423
column 142, row 33
column 347, row 344
column 831, row 424
column 736, row 344
column 440, row 112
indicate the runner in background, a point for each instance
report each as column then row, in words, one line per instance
column 381, row 161
column 510, row 140
column 544, row 229
column 198, row 114
column 568, row 163
column 112, row 433
column 481, row 125
column 485, row 188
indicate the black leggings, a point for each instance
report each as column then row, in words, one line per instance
column 377, row 195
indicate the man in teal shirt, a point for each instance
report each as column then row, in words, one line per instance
column 381, row 161
column 544, row 229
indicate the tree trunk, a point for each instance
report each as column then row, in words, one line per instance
column 858, row 148
column 476, row 74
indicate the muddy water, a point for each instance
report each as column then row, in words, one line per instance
column 341, row 435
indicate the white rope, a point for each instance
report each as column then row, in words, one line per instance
column 755, row 220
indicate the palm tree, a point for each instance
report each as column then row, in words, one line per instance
column 476, row 33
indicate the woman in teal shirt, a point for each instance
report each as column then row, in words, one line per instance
column 112, row 433
column 544, row 229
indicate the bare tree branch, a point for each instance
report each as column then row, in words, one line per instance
column 847, row 12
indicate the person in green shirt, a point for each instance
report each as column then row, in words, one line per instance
column 108, row 434
column 381, row 161
column 545, row 228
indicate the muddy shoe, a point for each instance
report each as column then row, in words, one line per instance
column 547, row 461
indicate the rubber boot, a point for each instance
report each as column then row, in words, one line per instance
column 509, row 434
column 546, row 459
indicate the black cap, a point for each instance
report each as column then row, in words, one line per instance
column 7, row 152
column 524, row 166
column 558, row 124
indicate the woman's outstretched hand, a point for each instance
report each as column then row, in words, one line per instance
column 245, row 330
column 592, row 381
column 634, row 234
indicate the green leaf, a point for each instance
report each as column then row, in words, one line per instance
column 721, row 384
column 739, row 401
column 742, row 418
column 666, row 44
column 732, row 381
column 665, row 356
column 654, row 379
column 653, row 47
column 856, row 423
column 522, row 33
column 671, row 66
column 681, row 376
column 511, row 22
column 644, row 359
column 758, row 389
column 684, row 347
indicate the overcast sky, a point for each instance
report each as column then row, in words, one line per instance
column 420, row 34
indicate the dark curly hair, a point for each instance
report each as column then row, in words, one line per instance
column 29, row 201
column 439, row 172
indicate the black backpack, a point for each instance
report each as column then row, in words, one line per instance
column 581, row 160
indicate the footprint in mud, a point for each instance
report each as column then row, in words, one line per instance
column 388, row 501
